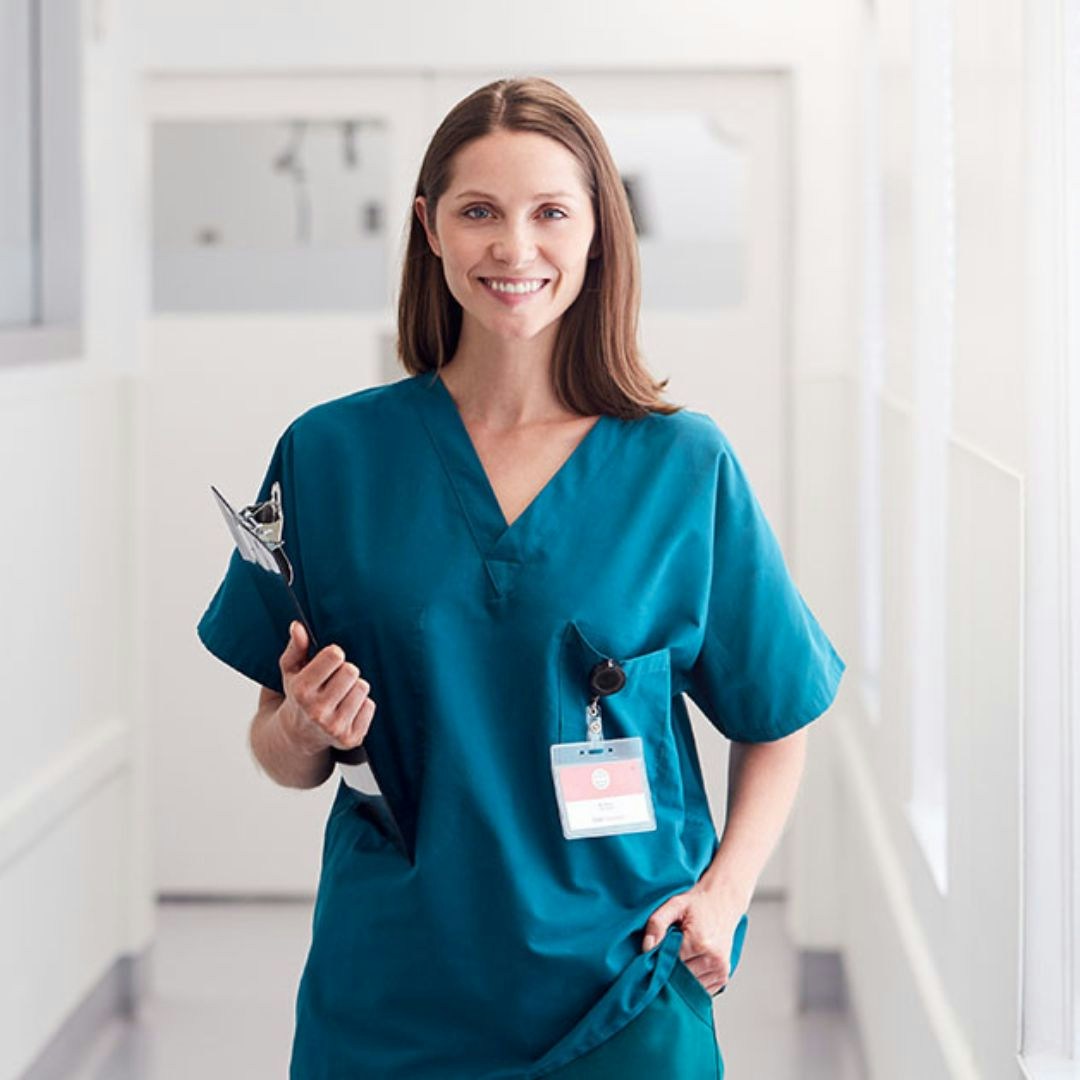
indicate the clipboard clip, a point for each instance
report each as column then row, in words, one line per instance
column 266, row 519
column 258, row 530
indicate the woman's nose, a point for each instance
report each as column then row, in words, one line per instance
column 515, row 245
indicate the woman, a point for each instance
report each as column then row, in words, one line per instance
column 477, row 542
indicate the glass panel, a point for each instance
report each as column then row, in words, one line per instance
column 934, row 250
column 18, row 228
column 686, row 179
column 267, row 215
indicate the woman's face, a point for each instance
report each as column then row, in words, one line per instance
column 516, row 211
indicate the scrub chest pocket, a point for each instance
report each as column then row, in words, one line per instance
column 642, row 708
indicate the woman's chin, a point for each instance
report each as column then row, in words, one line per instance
column 513, row 329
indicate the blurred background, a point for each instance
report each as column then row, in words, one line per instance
column 859, row 226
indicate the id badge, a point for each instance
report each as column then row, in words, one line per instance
column 602, row 787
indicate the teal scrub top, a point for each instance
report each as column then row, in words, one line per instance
column 456, row 932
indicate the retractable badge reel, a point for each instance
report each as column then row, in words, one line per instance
column 602, row 785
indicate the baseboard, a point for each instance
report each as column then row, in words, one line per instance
column 821, row 980
column 118, row 993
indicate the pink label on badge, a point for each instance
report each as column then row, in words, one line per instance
column 601, row 780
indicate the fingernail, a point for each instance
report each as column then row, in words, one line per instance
column 649, row 942
column 339, row 652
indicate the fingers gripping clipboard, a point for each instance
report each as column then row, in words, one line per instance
column 258, row 531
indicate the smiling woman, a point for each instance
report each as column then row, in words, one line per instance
column 518, row 185
column 477, row 537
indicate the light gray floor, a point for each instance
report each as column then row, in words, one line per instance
column 225, row 978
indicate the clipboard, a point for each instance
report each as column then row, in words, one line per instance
column 258, row 533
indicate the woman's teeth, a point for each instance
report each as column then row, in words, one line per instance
column 524, row 287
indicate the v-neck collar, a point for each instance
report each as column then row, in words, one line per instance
column 565, row 492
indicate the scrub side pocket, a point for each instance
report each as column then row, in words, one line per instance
column 689, row 986
column 704, row 997
column 371, row 827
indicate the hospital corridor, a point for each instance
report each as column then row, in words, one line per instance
column 540, row 544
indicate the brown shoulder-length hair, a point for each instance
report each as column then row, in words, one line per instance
column 597, row 366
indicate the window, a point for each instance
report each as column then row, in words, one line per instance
column 40, row 183
column 269, row 215
column 18, row 229
column 872, row 350
column 686, row 178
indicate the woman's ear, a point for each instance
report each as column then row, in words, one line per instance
column 420, row 205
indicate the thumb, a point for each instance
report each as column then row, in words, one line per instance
column 669, row 912
column 295, row 655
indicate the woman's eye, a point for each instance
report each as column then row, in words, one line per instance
column 468, row 213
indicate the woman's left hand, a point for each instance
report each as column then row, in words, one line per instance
column 708, row 916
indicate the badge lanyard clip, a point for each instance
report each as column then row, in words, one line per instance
column 606, row 677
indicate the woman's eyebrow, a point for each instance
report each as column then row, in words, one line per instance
column 538, row 195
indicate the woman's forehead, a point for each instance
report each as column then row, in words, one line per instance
column 521, row 165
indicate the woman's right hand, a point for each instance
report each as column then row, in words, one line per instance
column 326, row 702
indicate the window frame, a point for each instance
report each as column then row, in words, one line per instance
column 934, row 291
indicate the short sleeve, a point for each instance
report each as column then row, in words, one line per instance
column 235, row 626
column 766, row 667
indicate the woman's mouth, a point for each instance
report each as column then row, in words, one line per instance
column 511, row 291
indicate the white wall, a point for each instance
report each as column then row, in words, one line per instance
column 74, row 873
column 934, row 975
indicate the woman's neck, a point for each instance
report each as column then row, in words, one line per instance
column 503, row 385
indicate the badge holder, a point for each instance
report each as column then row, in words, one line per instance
column 602, row 785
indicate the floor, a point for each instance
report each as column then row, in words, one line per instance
column 225, row 976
